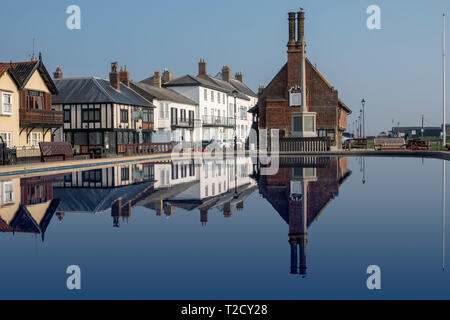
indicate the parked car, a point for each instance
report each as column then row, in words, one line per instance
column 209, row 145
column 7, row 155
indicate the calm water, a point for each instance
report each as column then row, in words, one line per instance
column 187, row 231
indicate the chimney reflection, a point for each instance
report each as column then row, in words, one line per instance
column 299, row 192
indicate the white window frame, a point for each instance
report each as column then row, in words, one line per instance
column 34, row 141
column 7, row 138
column 3, row 110
column 5, row 198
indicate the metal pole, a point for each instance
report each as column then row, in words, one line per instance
column 443, row 214
column 444, row 129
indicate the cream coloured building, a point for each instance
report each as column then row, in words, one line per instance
column 26, row 114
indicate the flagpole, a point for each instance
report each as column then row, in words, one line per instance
column 444, row 125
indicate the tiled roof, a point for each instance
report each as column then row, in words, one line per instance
column 225, row 85
column 163, row 93
column 189, row 80
column 22, row 72
column 95, row 90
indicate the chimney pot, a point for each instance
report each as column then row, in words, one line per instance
column 157, row 79
column 291, row 29
column 239, row 76
column 125, row 76
column 167, row 76
column 114, row 78
column 202, row 67
column 226, row 74
column 58, row 73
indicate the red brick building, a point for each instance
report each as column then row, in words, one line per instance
column 274, row 106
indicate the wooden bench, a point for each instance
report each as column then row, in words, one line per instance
column 56, row 151
column 389, row 144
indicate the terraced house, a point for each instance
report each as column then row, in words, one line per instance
column 176, row 116
column 26, row 113
column 101, row 113
column 221, row 100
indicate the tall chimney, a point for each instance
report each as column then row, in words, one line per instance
column 301, row 27
column 294, row 56
column 57, row 74
column 291, row 29
column 167, row 76
column 157, row 79
column 125, row 77
column 239, row 76
column 202, row 67
column 226, row 74
column 114, row 79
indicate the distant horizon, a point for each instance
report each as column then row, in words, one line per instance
column 397, row 70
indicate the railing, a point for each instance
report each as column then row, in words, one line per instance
column 36, row 116
column 185, row 123
column 218, row 121
column 144, row 148
column 289, row 144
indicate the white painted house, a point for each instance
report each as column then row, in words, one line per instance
column 216, row 98
column 175, row 115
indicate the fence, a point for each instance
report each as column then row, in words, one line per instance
column 291, row 144
column 145, row 148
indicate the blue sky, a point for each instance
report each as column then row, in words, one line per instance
column 396, row 69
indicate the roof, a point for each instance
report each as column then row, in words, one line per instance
column 254, row 109
column 207, row 82
column 22, row 72
column 95, row 90
column 163, row 93
column 344, row 106
column 225, row 85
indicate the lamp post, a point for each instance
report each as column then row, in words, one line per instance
column 363, row 102
column 360, row 123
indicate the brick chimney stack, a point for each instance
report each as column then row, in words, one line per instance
column 125, row 77
column 226, row 74
column 294, row 55
column 203, row 217
column 167, row 76
column 239, row 76
column 202, row 67
column 301, row 27
column 57, row 74
column 157, row 79
column 114, row 78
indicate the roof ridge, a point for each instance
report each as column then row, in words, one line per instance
column 101, row 89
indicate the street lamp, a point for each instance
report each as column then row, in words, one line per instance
column 363, row 102
column 360, row 123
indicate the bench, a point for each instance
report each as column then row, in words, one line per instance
column 389, row 144
column 56, row 151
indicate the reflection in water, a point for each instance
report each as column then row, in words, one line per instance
column 28, row 204
column 299, row 192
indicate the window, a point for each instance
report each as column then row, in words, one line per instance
column 92, row 176
column 35, row 138
column 7, row 138
column 161, row 110
column 6, row 103
column 147, row 116
column 191, row 116
column 95, row 139
column 218, row 97
column 166, row 110
column 8, row 192
column 125, row 173
column 124, row 115
column 205, row 94
column 206, row 191
column 35, row 99
column 67, row 115
column 309, row 123
column 223, row 96
column 298, row 125
column 87, row 115
column 212, row 96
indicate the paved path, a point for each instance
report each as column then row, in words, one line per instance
column 35, row 169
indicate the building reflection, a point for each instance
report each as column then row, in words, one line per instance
column 299, row 192
column 114, row 189
column 27, row 204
